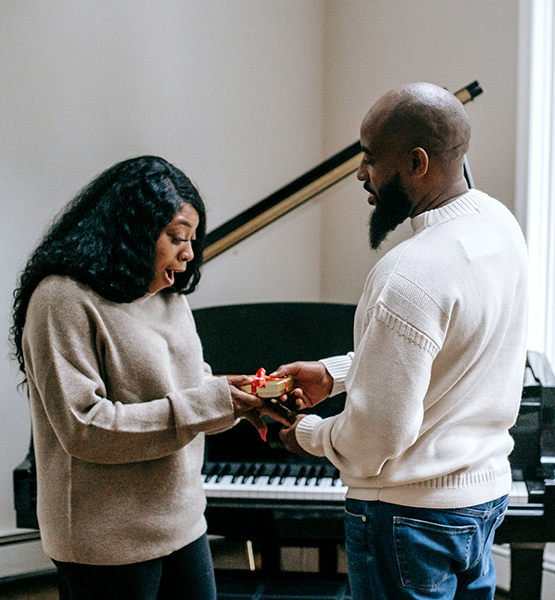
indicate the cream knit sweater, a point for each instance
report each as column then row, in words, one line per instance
column 435, row 381
column 120, row 400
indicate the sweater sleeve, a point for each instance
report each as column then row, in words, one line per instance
column 338, row 367
column 383, row 413
column 65, row 372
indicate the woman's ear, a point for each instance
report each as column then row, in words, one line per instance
column 420, row 161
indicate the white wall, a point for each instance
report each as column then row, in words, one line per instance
column 244, row 95
column 372, row 46
column 228, row 91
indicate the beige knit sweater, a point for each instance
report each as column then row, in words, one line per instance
column 120, row 400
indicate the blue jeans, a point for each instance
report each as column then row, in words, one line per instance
column 186, row 573
column 399, row 552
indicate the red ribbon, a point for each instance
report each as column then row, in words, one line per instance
column 259, row 380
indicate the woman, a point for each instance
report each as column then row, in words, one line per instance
column 120, row 396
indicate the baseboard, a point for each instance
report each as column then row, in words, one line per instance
column 21, row 555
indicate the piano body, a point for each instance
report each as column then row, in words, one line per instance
column 257, row 491
column 530, row 521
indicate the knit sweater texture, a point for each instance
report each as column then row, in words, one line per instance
column 120, row 402
column 435, row 381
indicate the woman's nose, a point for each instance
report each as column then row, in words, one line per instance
column 187, row 253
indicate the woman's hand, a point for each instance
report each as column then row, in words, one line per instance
column 251, row 407
column 243, row 402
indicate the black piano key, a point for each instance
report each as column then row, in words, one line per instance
column 326, row 471
column 292, row 470
column 211, row 470
column 257, row 471
column 251, row 470
column 278, row 472
column 330, row 471
column 223, row 471
column 283, row 472
column 215, row 474
column 318, row 472
column 208, row 467
column 235, row 467
column 308, row 472
column 268, row 469
column 302, row 473
column 242, row 472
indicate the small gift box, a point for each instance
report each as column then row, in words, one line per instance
column 268, row 387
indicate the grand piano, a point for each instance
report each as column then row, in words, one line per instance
column 257, row 491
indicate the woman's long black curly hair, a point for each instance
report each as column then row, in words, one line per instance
column 106, row 236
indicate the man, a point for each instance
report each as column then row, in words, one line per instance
column 434, row 383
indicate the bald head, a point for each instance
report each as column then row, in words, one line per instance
column 413, row 139
column 422, row 115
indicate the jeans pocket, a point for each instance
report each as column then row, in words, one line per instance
column 427, row 553
column 355, row 528
column 489, row 542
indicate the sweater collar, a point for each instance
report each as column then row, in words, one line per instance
column 469, row 202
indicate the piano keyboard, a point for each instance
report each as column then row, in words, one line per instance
column 299, row 481
column 273, row 481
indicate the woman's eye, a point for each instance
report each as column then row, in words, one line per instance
column 178, row 240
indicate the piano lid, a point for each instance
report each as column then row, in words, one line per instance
column 300, row 190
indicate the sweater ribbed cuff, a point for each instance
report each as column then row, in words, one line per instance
column 337, row 367
column 303, row 433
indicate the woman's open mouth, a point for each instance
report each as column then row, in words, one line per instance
column 169, row 276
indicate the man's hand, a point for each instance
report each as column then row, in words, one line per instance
column 288, row 437
column 311, row 381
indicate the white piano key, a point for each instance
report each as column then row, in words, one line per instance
column 518, row 493
column 285, row 489
column 272, row 489
column 310, row 492
column 258, row 487
column 326, row 488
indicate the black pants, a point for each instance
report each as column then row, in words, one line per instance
column 186, row 573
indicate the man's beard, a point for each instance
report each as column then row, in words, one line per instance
column 393, row 206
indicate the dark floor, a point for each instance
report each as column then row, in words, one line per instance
column 45, row 588
column 227, row 556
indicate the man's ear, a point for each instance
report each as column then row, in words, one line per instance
column 420, row 161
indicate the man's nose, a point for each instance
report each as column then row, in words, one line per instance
column 361, row 173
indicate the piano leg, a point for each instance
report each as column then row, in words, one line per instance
column 270, row 556
column 526, row 571
column 327, row 557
